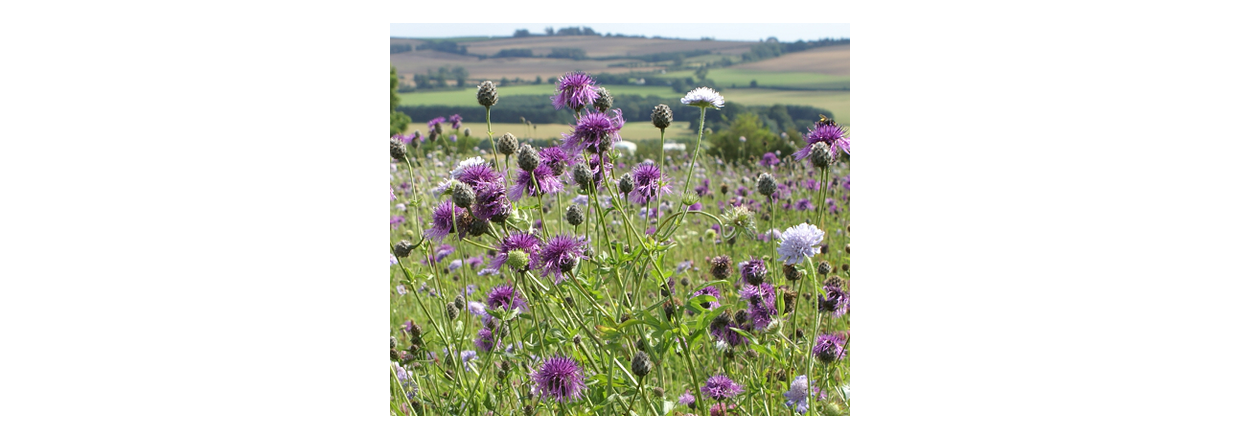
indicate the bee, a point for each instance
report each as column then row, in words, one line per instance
column 824, row 120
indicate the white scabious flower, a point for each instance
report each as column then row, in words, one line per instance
column 460, row 168
column 442, row 187
column 799, row 242
column 703, row 97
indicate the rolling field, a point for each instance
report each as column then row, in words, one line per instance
column 740, row 78
column 633, row 130
column 830, row 60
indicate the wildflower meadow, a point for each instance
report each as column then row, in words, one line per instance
column 580, row 279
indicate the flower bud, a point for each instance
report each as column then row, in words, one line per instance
column 527, row 158
column 487, row 95
column 661, row 116
column 506, row 144
column 574, row 215
column 641, row 364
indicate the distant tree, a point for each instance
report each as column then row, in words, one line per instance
column 398, row 121
column 461, row 75
column 538, row 79
column 701, row 73
column 398, row 48
column 521, row 33
column 550, row 31
column 753, row 83
column 503, row 81
column 588, row 31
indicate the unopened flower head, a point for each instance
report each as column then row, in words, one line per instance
column 703, row 97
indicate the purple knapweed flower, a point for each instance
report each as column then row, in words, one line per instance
column 456, row 121
column 647, row 183
column 799, row 242
column 486, row 340
column 526, row 242
column 835, row 300
column 709, row 291
column 474, row 171
column 803, row 205
column 721, row 329
column 490, row 200
column 828, row 133
column 505, row 297
column 431, row 123
column 397, row 220
column 687, row 399
column 560, row 378
column 753, row 271
column 557, row 253
column 769, row 160
column 575, row 90
column 540, row 181
column 557, row 159
column 444, row 219
column 721, row 387
column 830, row 347
column 591, row 129
column 761, row 300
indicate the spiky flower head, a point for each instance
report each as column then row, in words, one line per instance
column 560, row 378
column 647, row 183
column 821, row 155
column 398, row 150
column 560, row 251
column 830, row 347
column 703, row 97
column 766, row 184
column 708, row 291
column 721, row 267
column 527, row 158
column 592, row 130
column 556, row 158
column 824, row 268
column 505, row 296
column 641, row 364
column 827, row 132
column 403, row 248
column 661, row 116
column 835, row 301
column 518, row 260
column 574, row 215
column 527, row 244
column 688, row 400
column 835, row 280
column 506, row 144
column 721, row 329
column 721, row 387
column 491, row 202
column 626, row 183
column 452, row 311
column 487, row 95
column 799, row 242
column 761, row 300
column 741, row 218
column 462, row 195
column 541, row 180
column 753, row 272
column 604, row 100
column 447, row 218
column 466, row 131
column 574, row 90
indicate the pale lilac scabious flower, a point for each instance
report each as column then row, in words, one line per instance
column 400, row 289
column 505, row 297
column 798, row 394
column 454, row 265
column 466, row 356
column 391, row 260
column 799, row 242
column 574, row 90
column 591, row 129
column 581, row 199
column 703, row 97
column 400, row 207
column 477, row 308
column 828, row 133
column 560, row 378
column 452, row 138
column 526, row 242
column 557, row 252
column 761, row 300
column 721, row 387
column 647, row 183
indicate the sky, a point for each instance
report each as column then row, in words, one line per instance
column 730, row 31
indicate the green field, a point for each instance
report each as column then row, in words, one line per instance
column 634, row 130
column 741, row 77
